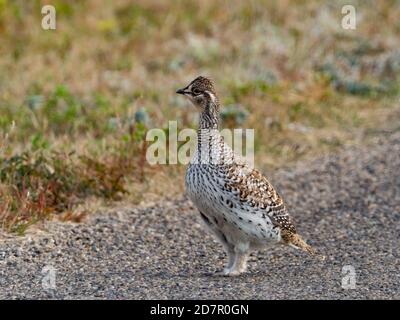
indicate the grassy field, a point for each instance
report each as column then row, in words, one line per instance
column 75, row 102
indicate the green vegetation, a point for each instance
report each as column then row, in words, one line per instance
column 75, row 103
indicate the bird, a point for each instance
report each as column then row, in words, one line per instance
column 235, row 201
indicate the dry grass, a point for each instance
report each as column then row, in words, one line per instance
column 306, row 85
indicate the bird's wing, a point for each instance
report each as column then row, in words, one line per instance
column 253, row 189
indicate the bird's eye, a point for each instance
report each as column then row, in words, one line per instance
column 196, row 91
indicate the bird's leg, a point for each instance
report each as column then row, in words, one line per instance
column 230, row 252
column 229, row 248
column 239, row 264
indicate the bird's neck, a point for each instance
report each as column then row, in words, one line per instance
column 209, row 118
column 209, row 148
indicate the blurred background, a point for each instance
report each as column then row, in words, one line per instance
column 76, row 102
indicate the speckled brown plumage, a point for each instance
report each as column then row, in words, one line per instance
column 254, row 189
column 236, row 202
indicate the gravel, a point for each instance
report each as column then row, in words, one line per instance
column 346, row 205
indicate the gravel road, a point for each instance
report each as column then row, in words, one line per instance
column 346, row 205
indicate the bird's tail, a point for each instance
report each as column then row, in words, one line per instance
column 297, row 242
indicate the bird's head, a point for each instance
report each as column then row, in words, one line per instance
column 200, row 92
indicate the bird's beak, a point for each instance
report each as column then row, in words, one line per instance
column 181, row 91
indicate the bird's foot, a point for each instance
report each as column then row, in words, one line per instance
column 228, row 272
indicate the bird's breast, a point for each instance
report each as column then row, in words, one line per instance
column 202, row 184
